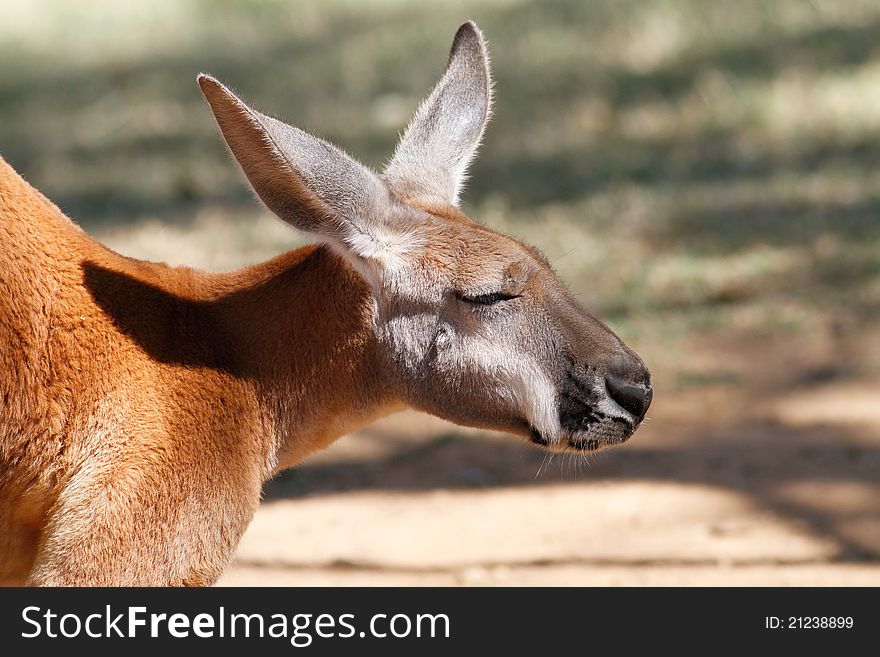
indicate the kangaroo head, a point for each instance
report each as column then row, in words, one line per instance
column 474, row 325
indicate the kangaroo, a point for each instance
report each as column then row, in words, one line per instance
column 142, row 407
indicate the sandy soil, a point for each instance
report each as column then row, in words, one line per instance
column 772, row 483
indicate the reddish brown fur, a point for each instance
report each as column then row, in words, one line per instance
column 489, row 254
column 143, row 406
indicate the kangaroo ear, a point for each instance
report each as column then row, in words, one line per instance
column 304, row 180
column 432, row 157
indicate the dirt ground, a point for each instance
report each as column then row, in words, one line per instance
column 773, row 482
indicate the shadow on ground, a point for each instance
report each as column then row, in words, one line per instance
column 825, row 479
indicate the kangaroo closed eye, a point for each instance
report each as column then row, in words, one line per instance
column 487, row 299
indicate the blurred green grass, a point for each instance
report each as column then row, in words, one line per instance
column 692, row 168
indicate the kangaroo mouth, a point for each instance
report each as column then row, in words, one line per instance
column 594, row 438
column 584, row 427
column 538, row 438
column 607, row 433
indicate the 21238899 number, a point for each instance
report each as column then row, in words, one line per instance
column 809, row 622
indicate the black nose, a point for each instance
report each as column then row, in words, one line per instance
column 634, row 398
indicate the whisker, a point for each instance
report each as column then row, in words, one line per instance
column 543, row 463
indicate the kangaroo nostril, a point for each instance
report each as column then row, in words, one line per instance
column 634, row 398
